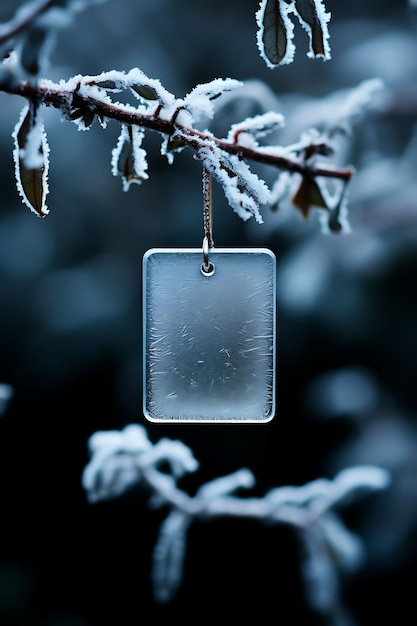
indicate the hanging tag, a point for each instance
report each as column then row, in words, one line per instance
column 209, row 335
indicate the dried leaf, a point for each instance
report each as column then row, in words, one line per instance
column 32, row 181
column 308, row 195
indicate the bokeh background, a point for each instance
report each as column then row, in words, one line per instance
column 70, row 332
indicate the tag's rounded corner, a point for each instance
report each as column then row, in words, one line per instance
column 150, row 418
column 270, row 253
column 147, row 255
column 269, row 418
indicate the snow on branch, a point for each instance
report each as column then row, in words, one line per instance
column 34, row 25
column 121, row 459
column 31, row 160
column 305, row 170
column 84, row 99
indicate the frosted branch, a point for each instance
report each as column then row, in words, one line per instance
column 23, row 18
column 83, row 99
column 122, row 459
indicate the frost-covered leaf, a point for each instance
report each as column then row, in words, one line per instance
column 275, row 33
column 257, row 126
column 115, row 462
column 313, row 17
column 31, row 161
column 147, row 92
column 111, row 85
column 308, row 195
column 168, row 556
column 128, row 158
column 243, row 189
column 275, row 29
column 83, row 118
column 199, row 102
column 170, row 146
column 146, row 88
column 213, row 89
column 319, row 572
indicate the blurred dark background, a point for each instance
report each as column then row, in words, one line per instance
column 71, row 345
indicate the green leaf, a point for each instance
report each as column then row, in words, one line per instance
column 308, row 195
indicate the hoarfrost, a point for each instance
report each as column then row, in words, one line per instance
column 128, row 158
column 330, row 548
column 257, row 126
column 31, row 160
column 168, row 556
column 322, row 18
column 200, row 100
column 284, row 9
column 276, row 31
column 357, row 102
column 243, row 189
column 35, row 150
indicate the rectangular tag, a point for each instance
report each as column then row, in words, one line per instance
column 209, row 340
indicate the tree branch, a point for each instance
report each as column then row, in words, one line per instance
column 23, row 19
column 59, row 98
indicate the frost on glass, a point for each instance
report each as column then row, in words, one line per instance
column 209, row 341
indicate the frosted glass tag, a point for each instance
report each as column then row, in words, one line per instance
column 209, row 340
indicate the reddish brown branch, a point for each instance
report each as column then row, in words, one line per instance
column 191, row 137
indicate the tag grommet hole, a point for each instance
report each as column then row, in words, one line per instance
column 207, row 270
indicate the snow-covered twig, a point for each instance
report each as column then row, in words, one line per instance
column 121, row 459
column 83, row 99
